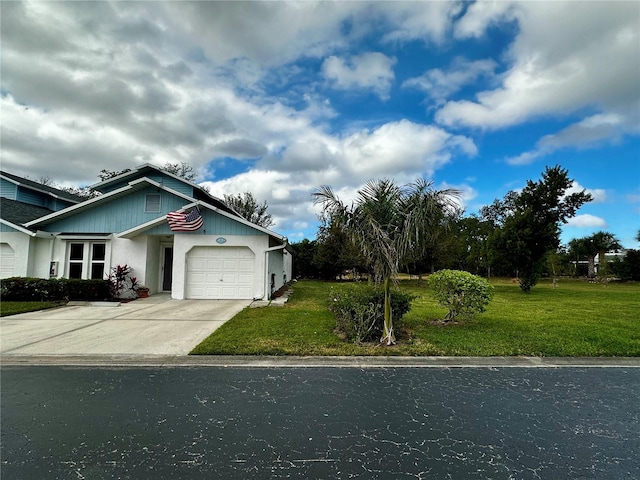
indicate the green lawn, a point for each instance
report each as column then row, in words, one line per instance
column 575, row 319
column 12, row 308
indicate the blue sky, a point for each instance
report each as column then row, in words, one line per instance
column 278, row 98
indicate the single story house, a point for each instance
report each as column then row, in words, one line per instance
column 208, row 251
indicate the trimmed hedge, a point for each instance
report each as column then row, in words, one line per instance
column 54, row 289
column 462, row 293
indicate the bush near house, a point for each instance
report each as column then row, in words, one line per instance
column 53, row 290
column 359, row 311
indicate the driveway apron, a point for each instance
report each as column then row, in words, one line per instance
column 157, row 325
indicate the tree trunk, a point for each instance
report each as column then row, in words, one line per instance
column 602, row 267
column 387, row 336
column 591, row 267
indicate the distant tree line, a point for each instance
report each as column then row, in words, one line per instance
column 517, row 236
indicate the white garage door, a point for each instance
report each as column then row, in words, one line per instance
column 7, row 260
column 220, row 272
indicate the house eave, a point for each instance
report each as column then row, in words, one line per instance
column 19, row 228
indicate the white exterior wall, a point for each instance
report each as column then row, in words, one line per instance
column 276, row 268
column 288, row 265
column 131, row 252
column 153, row 265
column 20, row 243
column 183, row 244
column 41, row 257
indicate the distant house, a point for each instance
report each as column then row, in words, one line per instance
column 211, row 253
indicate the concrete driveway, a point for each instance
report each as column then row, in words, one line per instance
column 156, row 325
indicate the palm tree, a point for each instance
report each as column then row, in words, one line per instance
column 597, row 244
column 386, row 221
column 603, row 242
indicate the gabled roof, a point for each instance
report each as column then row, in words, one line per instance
column 141, row 170
column 19, row 213
column 107, row 197
column 38, row 187
column 137, row 184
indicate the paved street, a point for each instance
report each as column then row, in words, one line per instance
column 237, row 422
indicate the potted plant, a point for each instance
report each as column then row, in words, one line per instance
column 143, row 292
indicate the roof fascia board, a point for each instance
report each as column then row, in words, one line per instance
column 20, row 228
column 86, row 236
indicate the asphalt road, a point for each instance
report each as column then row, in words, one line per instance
column 396, row 423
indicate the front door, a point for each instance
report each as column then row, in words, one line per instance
column 167, row 268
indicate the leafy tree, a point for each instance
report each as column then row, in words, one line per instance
column 533, row 227
column 182, row 169
column 107, row 174
column 85, row 192
column 579, row 248
column 248, row 207
column 336, row 253
column 385, row 221
column 472, row 236
column 304, row 253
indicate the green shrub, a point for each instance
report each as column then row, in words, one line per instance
column 359, row 311
column 461, row 292
column 52, row 290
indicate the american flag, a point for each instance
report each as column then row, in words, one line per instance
column 185, row 222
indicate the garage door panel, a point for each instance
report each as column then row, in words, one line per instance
column 245, row 266
column 220, row 272
column 7, row 260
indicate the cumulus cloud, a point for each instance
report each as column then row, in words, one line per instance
column 598, row 195
column 371, row 70
column 557, row 66
column 586, row 221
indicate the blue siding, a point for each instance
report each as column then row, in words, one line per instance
column 167, row 181
column 214, row 224
column 116, row 216
column 8, row 189
column 57, row 204
column 34, row 198
column 6, row 228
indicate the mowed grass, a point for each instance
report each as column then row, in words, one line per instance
column 575, row 319
column 12, row 308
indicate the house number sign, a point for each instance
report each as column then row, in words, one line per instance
column 221, row 240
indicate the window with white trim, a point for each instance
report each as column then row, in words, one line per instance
column 152, row 203
column 87, row 260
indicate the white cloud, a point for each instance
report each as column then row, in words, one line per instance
column 589, row 132
column 599, row 195
column 480, row 15
column 586, row 221
column 371, row 70
column 563, row 60
column 441, row 84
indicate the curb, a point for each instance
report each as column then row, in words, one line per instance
column 316, row 362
